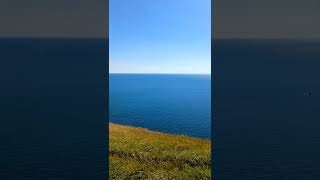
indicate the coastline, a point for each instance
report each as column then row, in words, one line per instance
column 140, row 153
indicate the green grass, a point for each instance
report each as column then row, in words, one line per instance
column 137, row 153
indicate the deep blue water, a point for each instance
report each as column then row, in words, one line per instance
column 53, row 119
column 266, row 123
column 179, row 104
column 53, row 109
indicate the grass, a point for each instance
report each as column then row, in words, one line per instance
column 137, row 153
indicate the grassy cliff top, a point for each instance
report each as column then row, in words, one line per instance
column 137, row 153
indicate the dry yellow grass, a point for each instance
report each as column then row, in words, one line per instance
column 137, row 153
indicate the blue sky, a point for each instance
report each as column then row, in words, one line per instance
column 163, row 36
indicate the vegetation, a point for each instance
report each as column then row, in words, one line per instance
column 137, row 153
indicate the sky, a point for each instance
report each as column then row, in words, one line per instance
column 89, row 18
column 53, row 18
column 267, row 19
column 165, row 36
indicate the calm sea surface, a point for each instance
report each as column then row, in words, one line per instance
column 266, row 119
column 267, row 109
column 178, row 104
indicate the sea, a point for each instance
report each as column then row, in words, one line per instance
column 265, row 100
column 169, row 103
column 266, row 119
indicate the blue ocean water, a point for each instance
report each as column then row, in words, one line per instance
column 267, row 109
column 178, row 104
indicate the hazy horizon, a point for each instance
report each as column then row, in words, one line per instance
column 166, row 37
column 155, row 73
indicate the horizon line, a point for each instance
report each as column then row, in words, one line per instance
column 161, row 73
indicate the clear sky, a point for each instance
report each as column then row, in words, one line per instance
column 164, row 36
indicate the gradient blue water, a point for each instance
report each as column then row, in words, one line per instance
column 266, row 125
column 178, row 104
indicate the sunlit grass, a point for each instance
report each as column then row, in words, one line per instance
column 137, row 153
